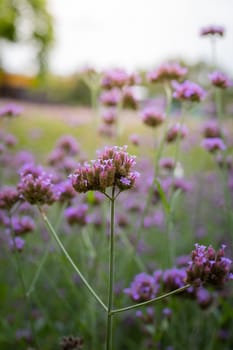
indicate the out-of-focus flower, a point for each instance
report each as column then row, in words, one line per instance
column 71, row 343
column 175, row 131
column 143, row 288
column 152, row 117
column 36, row 186
column 16, row 244
column 173, row 278
column 129, row 98
column 213, row 144
column 68, row 144
column 22, row 225
column 109, row 116
column 204, row 297
column 115, row 78
column 134, row 139
column 220, row 80
column 10, row 110
column 167, row 72
column 212, row 30
column 77, row 215
column 224, row 162
column 8, row 197
column 111, row 97
column 208, row 266
column 112, row 168
column 211, row 129
column 188, row 91
column 167, row 163
column 65, row 191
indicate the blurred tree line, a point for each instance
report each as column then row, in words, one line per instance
column 27, row 21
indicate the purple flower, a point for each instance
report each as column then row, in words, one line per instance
column 111, row 98
column 112, row 168
column 22, row 225
column 114, row 78
column 208, row 266
column 213, row 144
column 77, row 215
column 167, row 163
column 17, row 243
column 212, row 30
column 175, row 131
column 109, row 116
column 173, row 279
column 220, row 80
column 68, row 144
column 143, row 288
column 188, row 91
column 36, row 186
column 8, row 197
column 129, row 98
column 152, row 116
column 167, row 71
column 10, row 110
column 211, row 129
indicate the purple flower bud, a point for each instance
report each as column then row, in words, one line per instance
column 152, row 117
column 8, row 197
column 143, row 288
column 188, row 91
column 167, row 71
column 111, row 98
column 220, row 80
column 212, row 30
column 213, row 144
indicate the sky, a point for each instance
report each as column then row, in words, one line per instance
column 132, row 34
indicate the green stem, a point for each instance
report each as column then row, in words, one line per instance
column 111, row 274
column 154, row 300
column 54, row 234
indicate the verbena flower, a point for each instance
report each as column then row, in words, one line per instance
column 211, row 129
column 112, row 168
column 213, row 144
column 188, row 91
column 16, row 244
column 109, row 116
column 167, row 163
column 173, row 278
column 111, row 97
column 36, row 186
column 68, row 144
column 115, row 78
column 220, row 80
column 212, row 30
column 167, row 72
column 77, row 215
column 71, row 343
column 143, row 288
column 208, row 266
column 152, row 116
column 10, row 110
column 9, row 196
column 22, row 225
column 129, row 98
column 175, row 131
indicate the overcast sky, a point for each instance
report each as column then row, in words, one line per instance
column 130, row 33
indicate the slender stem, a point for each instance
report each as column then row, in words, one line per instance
column 154, row 300
column 53, row 232
column 111, row 274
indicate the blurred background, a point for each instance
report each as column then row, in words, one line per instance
column 45, row 44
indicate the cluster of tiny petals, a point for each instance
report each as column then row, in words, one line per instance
column 36, row 186
column 68, row 144
column 112, row 168
column 10, row 110
column 211, row 129
column 142, row 288
column 212, row 30
column 220, row 80
column 167, row 71
column 23, row 225
column 114, row 78
column 111, row 97
column 188, row 91
column 8, row 197
column 152, row 116
column 175, row 131
column 213, row 144
column 109, row 116
column 208, row 266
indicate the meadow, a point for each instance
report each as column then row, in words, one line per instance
column 110, row 251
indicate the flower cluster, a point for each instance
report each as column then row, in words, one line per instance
column 77, row 215
column 175, row 131
column 114, row 78
column 22, row 225
column 143, row 288
column 8, row 197
column 211, row 129
column 213, row 144
column 188, row 91
column 220, row 80
column 36, row 186
column 152, row 117
column 167, row 72
column 212, row 30
column 111, row 98
column 10, row 110
column 112, row 168
column 208, row 266
column 71, row 343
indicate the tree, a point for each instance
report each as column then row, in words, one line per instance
column 33, row 16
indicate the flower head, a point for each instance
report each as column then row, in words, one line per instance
column 212, row 30
column 167, row 72
column 114, row 78
column 111, row 97
column 143, row 288
column 8, row 197
column 188, row 91
column 10, row 110
column 175, row 131
column 220, row 80
column 208, row 266
column 152, row 117
column 112, row 168
column 213, row 144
